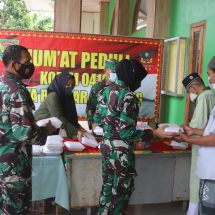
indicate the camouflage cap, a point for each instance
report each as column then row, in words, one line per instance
column 111, row 64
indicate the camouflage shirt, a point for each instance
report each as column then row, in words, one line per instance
column 17, row 124
column 92, row 100
column 117, row 112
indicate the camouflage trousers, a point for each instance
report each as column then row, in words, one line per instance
column 118, row 171
column 15, row 186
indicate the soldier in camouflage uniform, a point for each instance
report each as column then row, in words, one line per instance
column 117, row 112
column 110, row 76
column 18, row 132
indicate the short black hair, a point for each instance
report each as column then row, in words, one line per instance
column 12, row 52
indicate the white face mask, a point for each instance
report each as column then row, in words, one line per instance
column 113, row 77
column 193, row 97
column 212, row 86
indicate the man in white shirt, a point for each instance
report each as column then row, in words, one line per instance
column 205, row 168
column 204, row 99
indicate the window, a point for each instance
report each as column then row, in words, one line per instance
column 174, row 62
column 140, row 15
column 197, row 37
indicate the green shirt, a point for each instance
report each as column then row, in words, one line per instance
column 204, row 104
column 52, row 107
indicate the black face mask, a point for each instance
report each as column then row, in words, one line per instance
column 22, row 70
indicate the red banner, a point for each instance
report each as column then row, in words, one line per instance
column 84, row 56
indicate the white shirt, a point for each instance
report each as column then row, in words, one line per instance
column 205, row 167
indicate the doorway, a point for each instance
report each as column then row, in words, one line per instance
column 197, row 37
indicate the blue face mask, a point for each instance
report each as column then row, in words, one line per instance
column 69, row 91
column 113, row 77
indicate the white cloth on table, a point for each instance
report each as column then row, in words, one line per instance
column 49, row 180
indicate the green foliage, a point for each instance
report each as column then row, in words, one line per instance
column 14, row 15
column 42, row 23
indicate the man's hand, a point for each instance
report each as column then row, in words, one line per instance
column 80, row 134
column 82, row 129
column 188, row 131
column 50, row 128
column 93, row 126
column 182, row 137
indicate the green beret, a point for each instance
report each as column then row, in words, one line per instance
column 111, row 65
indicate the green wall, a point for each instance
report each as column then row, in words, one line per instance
column 139, row 33
column 183, row 14
column 110, row 13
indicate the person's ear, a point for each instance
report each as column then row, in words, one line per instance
column 15, row 65
column 213, row 77
column 194, row 90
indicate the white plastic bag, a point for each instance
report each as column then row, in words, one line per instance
column 54, row 137
column 74, row 146
column 172, row 128
column 54, row 121
column 142, row 126
column 89, row 140
column 47, row 151
column 37, row 150
column 98, row 131
column 176, row 145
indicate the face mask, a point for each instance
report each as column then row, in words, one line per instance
column 212, row 86
column 22, row 70
column 69, row 91
column 193, row 97
column 113, row 77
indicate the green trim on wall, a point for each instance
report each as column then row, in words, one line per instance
column 133, row 4
column 139, row 33
column 111, row 8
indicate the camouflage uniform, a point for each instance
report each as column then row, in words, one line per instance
column 17, row 132
column 116, row 112
column 92, row 101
